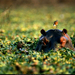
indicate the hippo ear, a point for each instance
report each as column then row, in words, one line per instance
column 64, row 31
column 43, row 32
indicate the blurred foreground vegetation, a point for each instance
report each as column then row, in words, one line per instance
column 24, row 24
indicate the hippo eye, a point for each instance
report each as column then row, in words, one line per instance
column 41, row 38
